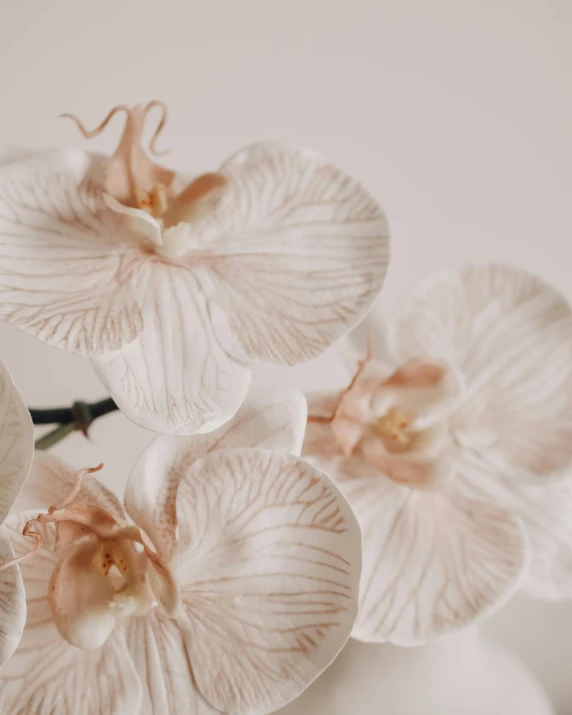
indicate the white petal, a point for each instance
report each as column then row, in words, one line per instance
column 433, row 561
column 298, row 251
column 268, row 558
column 16, row 442
column 12, row 601
column 174, row 377
column 546, row 513
column 270, row 419
column 510, row 335
column 139, row 221
column 47, row 675
column 51, row 480
column 70, row 269
column 15, row 153
column 158, row 649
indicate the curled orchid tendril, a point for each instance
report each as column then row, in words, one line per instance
column 362, row 364
column 44, row 518
column 91, row 133
column 77, row 485
column 160, row 126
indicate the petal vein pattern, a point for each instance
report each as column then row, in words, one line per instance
column 174, row 377
column 160, row 655
column 433, row 562
column 16, row 442
column 271, row 569
column 12, row 601
column 511, row 336
column 269, row 419
column 70, row 272
column 298, row 249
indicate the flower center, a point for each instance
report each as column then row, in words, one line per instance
column 394, row 422
column 129, row 569
column 138, row 182
column 153, row 202
column 105, row 570
column 394, row 429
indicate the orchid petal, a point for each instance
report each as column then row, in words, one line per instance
column 270, row 419
column 297, row 253
column 51, row 480
column 70, row 270
column 430, row 402
column 546, row 514
column 268, row 558
column 510, row 335
column 16, row 153
column 420, row 471
column 159, row 652
column 433, row 561
column 47, row 674
column 162, row 582
column 12, row 601
column 16, row 442
column 174, row 377
column 136, row 220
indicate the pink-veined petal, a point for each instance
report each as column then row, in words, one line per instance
column 297, row 253
column 510, row 335
column 175, row 377
column 546, row 513
column 159, row 652
column 71, row 270
column 51, row 480
column 433, row 561
column 268, row 557
column 16, row 442
column 47, row 675
column 12, row 601
column 269, row 419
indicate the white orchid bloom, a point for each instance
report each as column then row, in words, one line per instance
column 175, row 286
column 227, row 585
column 454, row 448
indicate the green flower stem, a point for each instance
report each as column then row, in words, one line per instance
column 55, row 436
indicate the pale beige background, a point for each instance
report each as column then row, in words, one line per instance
column 455, row 113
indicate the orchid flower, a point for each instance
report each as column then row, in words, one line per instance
column 174, row 285
column 454, row 448
column 226, row 585
column 16, row 451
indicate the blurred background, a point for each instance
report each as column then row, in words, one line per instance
column 456, row 114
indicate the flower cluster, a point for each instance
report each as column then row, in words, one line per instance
column 231, row 575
